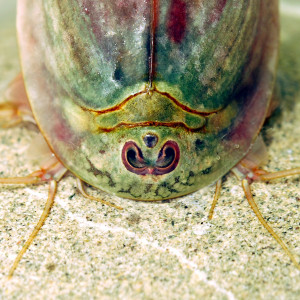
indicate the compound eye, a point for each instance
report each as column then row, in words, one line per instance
column 168, row 158
column 166, row 162
column 133, row 159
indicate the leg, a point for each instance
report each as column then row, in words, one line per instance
column 80, row 186
column 51, row 172
column 216, row 198
column 16, row 108
column 265, row 176
column 45, row 214
column 248, row 194
column 247, row 171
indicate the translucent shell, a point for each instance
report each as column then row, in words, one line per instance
column 149, row 99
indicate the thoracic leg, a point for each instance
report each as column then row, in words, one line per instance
column 52, row 172
column 216, row 198
column 248, row 194
column 46, row 211
column 247, row 171
column 16, row 108
column 80, row 186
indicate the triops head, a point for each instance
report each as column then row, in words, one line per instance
column 142, row 106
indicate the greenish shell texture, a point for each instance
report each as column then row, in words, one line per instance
column 149, row 99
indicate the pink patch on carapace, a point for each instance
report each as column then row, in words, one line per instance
column 88, row 9
column 176, row 24
column 217, row 11
column 63, row 132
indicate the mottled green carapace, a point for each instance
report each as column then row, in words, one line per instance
column 149, row 99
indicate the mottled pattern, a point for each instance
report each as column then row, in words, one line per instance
column 103, row 48
column 206, row 66
column 87, row 66
column 200, row 49
column 176, row 21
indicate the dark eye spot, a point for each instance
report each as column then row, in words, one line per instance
column 150, row 140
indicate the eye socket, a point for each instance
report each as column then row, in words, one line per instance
column 166, row 157
column 166, row 162
column 135, row 158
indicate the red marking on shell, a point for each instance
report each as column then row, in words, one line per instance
column 242, row 132
column 176, row 24
column 89, row 10
column 127, row 10
column 113, row 16
column 217, row 11
column 62, row 133
column 155, row 9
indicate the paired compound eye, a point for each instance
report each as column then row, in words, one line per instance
column 168, row 158
column 135, row 157
column 135, row 162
